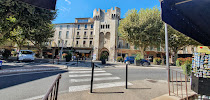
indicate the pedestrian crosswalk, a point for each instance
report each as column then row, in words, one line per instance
column 79, row 79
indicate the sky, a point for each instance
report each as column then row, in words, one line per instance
column 68, row 10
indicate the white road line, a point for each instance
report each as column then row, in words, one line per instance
column 85, row 71
column 35, row 98
column 95, row 79
column 83, row 75
column 97, row 86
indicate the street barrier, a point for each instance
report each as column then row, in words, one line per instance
column 179, row 84
column 126, row 78
column 52, row 93
column 91, row 85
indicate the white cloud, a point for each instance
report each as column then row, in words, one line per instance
column 64, row 9
column 68, row 1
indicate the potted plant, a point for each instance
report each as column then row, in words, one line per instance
column 138, row 58
column 68, row 57
column 103, row 58
column 119, row 59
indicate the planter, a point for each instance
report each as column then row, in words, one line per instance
column 68, row 59
column 137, row 62
column 200, row 85
column 103, row 61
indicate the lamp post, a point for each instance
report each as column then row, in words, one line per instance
column 61, row 51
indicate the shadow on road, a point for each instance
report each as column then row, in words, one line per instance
column 140, row 88
column 16, row 79
column 106, row 92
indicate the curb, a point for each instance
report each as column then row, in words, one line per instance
column 30, row 70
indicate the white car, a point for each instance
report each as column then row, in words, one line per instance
column 26, row 55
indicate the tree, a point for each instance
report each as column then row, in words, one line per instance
column 176, row 40
column 41, row 36
column 31, row 20
column 142, row 28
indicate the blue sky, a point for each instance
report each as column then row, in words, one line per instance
column 68, row 10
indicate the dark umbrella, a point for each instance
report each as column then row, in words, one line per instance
column 47, row 4
column 191, row 17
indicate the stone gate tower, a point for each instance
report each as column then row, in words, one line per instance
column 105, row 32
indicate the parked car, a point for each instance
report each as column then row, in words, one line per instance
column 130, row 60
column 26, row 55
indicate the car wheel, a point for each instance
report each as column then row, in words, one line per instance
column 145, row 64
column 128, row 62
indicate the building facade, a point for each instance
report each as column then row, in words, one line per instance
column 94, row 36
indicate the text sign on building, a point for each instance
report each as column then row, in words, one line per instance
column 203, row 49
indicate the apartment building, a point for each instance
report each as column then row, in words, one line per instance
column 93, row 36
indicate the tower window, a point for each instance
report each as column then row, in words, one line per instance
column 84, row 33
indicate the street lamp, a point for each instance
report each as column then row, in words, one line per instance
column 61, row 51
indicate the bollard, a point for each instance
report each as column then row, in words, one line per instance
column 91, row 85
column 77, row 61
column 126, row 78
column 0, row 64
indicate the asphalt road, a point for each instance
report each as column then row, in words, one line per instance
column 35, row 84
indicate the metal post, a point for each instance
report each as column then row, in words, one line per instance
column 181, row 84
column 167, row 56
column 186, row 86
column 57, row 85
column 61, row 51
column 177, row 84
column 126, row 80
column 77, row 61
column 91, row 85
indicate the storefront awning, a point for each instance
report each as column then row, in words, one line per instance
column 191, row 17
column 83, row 51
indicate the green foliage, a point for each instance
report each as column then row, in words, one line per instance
column 178, row 63
column 157, row 61
column 141, row 28
column 21, row 21
column 154, row 61
column 6, row 53
column 139, row 56
column 104, row 56
column 119, row 59
column 68, row 57
column 187, row 68
column 14, row 53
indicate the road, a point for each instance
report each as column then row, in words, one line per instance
column 77, row 78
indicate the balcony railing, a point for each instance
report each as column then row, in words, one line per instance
column 77, row 36
column 85, row 36
column 91, row 36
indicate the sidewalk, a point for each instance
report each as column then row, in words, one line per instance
column 140, row 90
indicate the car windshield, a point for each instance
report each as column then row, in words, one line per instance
column 26, row 52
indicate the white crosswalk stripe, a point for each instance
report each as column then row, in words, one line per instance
column 80, row 78
column 84, row 75
column 95, row 79
column 96, row 86
column 83, row 69
column 87, row 71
